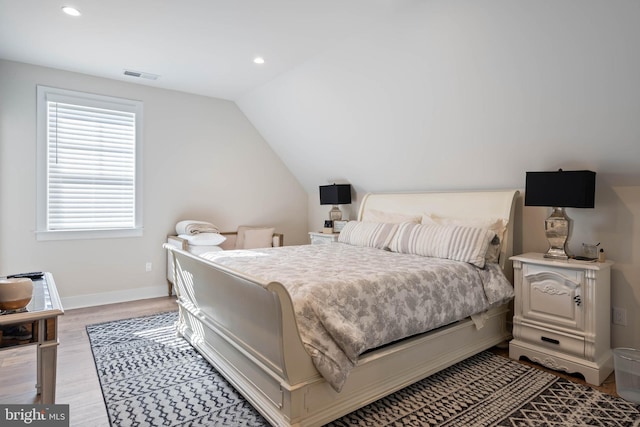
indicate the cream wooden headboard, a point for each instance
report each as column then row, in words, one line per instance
column 473, row 204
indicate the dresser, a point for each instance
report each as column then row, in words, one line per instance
column 562, row 315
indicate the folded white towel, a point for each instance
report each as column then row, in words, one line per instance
column 194, row 227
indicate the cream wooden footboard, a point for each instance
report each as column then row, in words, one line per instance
column 247, row 330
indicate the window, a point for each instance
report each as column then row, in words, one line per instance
column 89, row 165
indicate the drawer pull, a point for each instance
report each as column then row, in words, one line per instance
column 551, row 340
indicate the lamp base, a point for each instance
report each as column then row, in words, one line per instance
column 557, row 229
column 335, row 214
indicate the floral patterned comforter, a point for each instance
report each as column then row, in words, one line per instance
column 351, row 299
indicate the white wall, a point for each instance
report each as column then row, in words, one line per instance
column 202, row 160
column 463, row 94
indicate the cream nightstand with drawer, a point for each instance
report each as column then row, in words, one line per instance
column 562, row 315
column 321, row 238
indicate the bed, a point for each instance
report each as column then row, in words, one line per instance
column 247, row 324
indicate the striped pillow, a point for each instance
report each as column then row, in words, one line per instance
column 369, row 234
column 455, row 242
column 497, row 225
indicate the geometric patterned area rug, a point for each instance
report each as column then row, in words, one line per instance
column 152, row 377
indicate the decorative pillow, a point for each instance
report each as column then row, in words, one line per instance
column 368, row 234
column 375, row 215
column 455, row 242
column 258, row 238
column 203, row 239
column 497, row 225
column 240, row 233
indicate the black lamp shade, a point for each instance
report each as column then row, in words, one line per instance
column 562, row 189
column 336, row 194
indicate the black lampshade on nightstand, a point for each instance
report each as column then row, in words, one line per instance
column 335, row 194
column 560, row 190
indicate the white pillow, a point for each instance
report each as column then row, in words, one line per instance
column 375, row 215
column 199, row 250
column 258, row 238
column 368, row 234
column 455, row 242
column 203, row 239
column 497, row 225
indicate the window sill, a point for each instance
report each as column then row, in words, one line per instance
column 88, row 234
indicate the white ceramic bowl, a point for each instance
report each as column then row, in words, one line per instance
column 15, row 294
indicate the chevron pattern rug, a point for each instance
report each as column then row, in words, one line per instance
column 151, row 377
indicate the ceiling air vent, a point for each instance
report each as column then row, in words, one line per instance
column 139, row 74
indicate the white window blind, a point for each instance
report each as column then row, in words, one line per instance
column 91, row 146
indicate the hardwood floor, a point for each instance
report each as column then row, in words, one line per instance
column 77, row 383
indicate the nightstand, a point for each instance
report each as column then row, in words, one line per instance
column 562, row 315
column 321, row 238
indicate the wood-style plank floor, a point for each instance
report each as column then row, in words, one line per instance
column 78, row 384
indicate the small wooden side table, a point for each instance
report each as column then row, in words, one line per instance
column 42, row 314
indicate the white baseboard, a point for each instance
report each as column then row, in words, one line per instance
column 102, row 298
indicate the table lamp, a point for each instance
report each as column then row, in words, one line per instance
column 335, row 194
column 560, row 190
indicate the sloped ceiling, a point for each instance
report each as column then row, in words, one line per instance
column 386, row 95
column 463, row 95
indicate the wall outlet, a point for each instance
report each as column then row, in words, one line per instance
column 619, row 316
column 148, row 266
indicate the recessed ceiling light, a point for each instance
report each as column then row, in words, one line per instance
column 71, row 11
column 259, row 60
